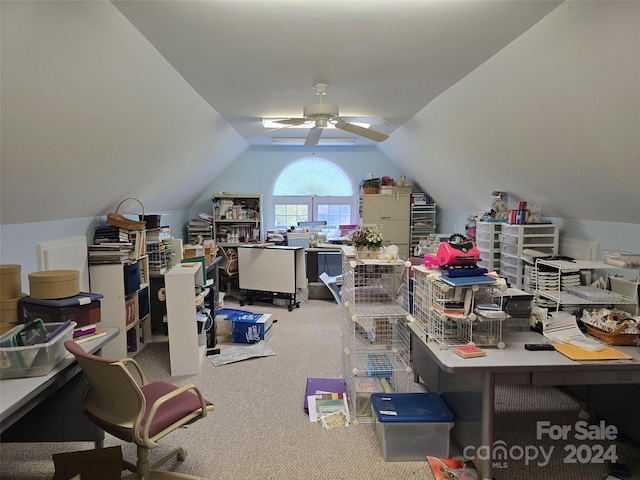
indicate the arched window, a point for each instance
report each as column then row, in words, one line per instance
column 312, row 188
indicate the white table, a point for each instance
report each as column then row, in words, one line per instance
column 274, row 269
column 513, row 365
column 47, row 408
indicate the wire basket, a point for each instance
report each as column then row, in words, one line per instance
column 118, row 220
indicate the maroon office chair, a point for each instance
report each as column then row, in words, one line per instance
column 137, row 413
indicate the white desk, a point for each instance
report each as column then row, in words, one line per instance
column 42, row 410
column 275, row 269
column 513, row 365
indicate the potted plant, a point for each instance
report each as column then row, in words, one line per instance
column 370, row 185
column 367, row 240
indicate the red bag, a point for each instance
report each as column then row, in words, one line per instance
column 461, row 253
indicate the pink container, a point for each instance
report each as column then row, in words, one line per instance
column 431, row 260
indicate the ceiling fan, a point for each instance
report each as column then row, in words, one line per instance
column 321, row 114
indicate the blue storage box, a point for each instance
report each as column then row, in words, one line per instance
column 131, row 278
column 419, row 429
column 251, row 328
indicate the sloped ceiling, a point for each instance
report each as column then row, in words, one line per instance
column 553, row 119
column 92, row 113
column 101, row 102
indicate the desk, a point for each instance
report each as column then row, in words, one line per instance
column 47, row 408
column 512, row 366
column 312, row 258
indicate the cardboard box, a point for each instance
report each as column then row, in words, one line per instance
column 421, row 427
column 50, row 284
column 193, row 251
column 98, row 464
column 10, row 281
column 251, row 328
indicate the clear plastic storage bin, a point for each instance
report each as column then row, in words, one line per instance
column 33, row 360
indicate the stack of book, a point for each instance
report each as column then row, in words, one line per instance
column 110, row 234
column 109, row 253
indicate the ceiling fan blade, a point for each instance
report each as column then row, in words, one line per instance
column 369, row 120
column 313, row 137
column 293, row 121
column 361, row 131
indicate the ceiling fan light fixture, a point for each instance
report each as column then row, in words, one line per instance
column 322, row 141
column 272, row 123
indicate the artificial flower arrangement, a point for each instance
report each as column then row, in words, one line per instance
column 367, row 236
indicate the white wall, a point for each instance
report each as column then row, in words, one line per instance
column 255, row 169
column 19, row 241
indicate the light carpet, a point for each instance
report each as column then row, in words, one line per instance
column 259, row 429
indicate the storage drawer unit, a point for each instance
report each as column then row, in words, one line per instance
column 515, row 239
column 488, row 243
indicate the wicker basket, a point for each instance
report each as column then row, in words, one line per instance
column 118, row 220
column 615, row 337
column 369, row 190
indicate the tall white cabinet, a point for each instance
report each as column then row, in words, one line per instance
column 187, row 345
column 391, row 213
column 125, row 305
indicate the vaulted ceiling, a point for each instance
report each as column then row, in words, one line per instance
column 100, row 99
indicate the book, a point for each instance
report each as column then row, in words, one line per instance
column 477, row 279
column 468, row 351
column 322, row 404
column 100, row 332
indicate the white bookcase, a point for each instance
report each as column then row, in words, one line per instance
column 124, row 308
column 187, row 346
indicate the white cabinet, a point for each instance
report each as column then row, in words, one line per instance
column 391, row 213
column 187, row 339
column 125, row 304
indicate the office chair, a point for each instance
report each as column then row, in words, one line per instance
column 228, row 269
column 140, row 414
